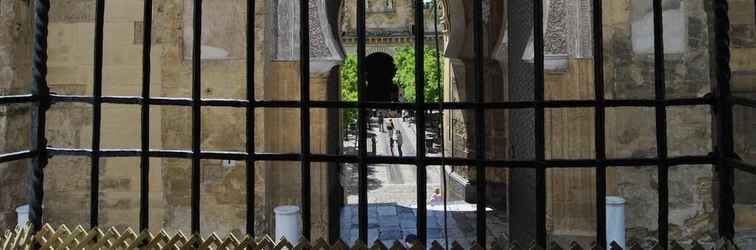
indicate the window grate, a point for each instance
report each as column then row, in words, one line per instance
column 721, row 101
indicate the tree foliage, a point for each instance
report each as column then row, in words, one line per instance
column 405, row 75
column 404, row 59
column 349, row 86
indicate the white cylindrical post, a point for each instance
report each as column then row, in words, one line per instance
column 615, row 221
column 22, row 215
column 287, row 223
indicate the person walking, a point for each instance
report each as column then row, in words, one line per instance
column 390, row 128
column 380, row 120
column 398, row 140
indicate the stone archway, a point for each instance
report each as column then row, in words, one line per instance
column 327, row 52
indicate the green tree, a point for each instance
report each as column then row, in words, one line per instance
column 349, row 87
column 405, row 74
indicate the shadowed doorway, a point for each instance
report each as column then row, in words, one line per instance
column 380, row 78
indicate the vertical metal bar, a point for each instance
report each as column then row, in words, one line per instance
column 304, row 111
column 362, row 120
column 540, row 150
column 422, row 210
column 144, row 179
column 39, row 117
column 661, row 123
column 196, row 115
column 250, row 121
column 599, row 119
column 97, row 115
column 723, row 119
column 480, row 123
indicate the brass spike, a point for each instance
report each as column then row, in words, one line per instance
column 476, row 246
column 321, row 244
column 359, row 245
column 340, row 245
column 161, row 237
column 696, row 246
column 596, row 246
column 675, row 246
column 514, row 246
column 615, row 246
column 575, row 246
column 435, row 245
column 554, row 246
column 103, row 238
column 141, row 240
column 230, row 243
column 283, row 243
column 657, row 246
column 634, row 245
column 534, row 246
column 191, row 243
column 178, row 240
column 378, row 245
column 457, row 246
column 397, row 246
column 247, row 243
column 266, row 242
column 70, row 240
column 211, row 240
column 303, row 244
column 417, row 246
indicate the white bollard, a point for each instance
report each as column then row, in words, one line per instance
column 287, row 223
column 22, row 215
column 615, row 221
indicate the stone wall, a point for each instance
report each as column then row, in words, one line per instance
column 15, row 74
column 71, row 48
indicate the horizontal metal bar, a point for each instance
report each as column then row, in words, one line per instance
column 17, row 99
column 742, row 101
column 14, row 156
column 407, row 160
column 236, row 103
column 742, row 165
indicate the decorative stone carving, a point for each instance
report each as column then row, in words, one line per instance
column 567, row 33
column 325, row 51
column 555, row 36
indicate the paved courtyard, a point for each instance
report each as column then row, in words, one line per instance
column 392, row 198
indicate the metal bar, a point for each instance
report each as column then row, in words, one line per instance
column 407, row 160
column 599, row 122
column 39, row 114
column 196, row 115
column 14, row 156
column 250, row 121
column 742, row 101
column 362, row 121
column 741, row 165
column 94, row 176
column 422, row 210
column 480, row 123
column 661, row 125
column 540, row 141
column 144, row 158
column 304, row 112
column 550, row 104
column 17, row 99
column 723, row 119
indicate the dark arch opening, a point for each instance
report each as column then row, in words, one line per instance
column 380, row 72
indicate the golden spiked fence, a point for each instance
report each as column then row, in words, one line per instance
column 79, row 238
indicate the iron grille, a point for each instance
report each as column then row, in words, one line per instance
column 720, row 100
